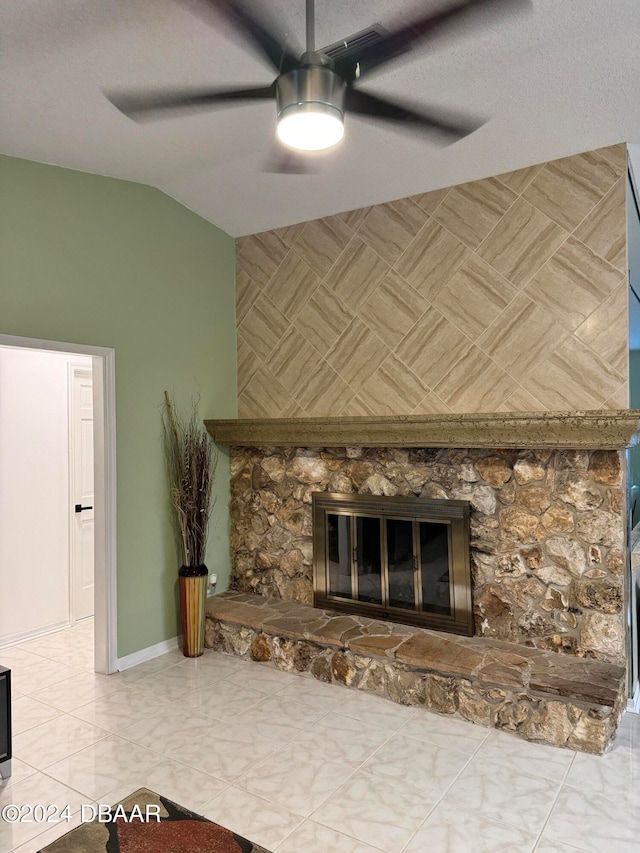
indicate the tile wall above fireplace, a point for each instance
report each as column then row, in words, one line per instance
column 505, row 294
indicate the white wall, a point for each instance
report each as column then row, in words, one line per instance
column 34, row 490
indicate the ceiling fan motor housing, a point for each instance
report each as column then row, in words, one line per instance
column 308, row 87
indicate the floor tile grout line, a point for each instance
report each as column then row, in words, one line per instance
column 161, row 758
column 498, row 820
column 338, row 832
column 308, row 728
column 23, row 644
column 605, row 796
column 570, row 847
column 555, row 800
column 67, row 785
column 361, row 767
column 422, row 823
column 215, row 725
column 69, row 710
column 286, row 743
column 64, row 784
column 165, row 758
column 106, row 734
column 462, row 721
column 35, row 725
column 447, row 789
column 184, row 763
column 267, row 802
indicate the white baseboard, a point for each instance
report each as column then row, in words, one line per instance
column 149, row 653
column 633, row 703
column 18, row 639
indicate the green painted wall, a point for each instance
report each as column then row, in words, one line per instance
column 98, row 261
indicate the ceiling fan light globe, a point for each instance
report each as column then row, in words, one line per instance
column 310, row 126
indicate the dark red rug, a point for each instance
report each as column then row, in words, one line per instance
column 133, row 827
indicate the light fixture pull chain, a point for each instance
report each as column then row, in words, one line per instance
column 311, row 26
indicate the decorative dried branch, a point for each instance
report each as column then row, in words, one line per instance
column 191, row 464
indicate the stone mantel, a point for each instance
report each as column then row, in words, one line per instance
column 587, row 430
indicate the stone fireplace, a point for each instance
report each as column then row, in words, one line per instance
column 546, row 528
column 548, row 561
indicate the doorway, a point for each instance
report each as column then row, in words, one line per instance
column 88, row 468
column 81, row 492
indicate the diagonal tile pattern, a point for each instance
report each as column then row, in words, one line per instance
column 389, row 228
column 323, row 319
column 391, row 387
column 603, row 230
column 573, row 283
column 504, row 294
column 356, row 274
column 260, row 255
column 471, row 211
column 393, row 309
column 292, row 285
column 486, row 292
column 525, row 334
column 321, row 242
column 567, row 190
column 522, row 242
column 572, row 377
column 596, row 330
column 357, row 352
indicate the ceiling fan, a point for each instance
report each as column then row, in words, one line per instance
column 314, row 91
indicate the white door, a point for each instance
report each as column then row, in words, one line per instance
column 82, row 494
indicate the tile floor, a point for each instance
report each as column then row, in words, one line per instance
column 299, row 766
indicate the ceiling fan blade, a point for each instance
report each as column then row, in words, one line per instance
column 442, row 123
column 148, row 106
column 260, row 33
column 351, row 68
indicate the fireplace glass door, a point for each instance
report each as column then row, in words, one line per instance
column 339, row 555
column 434, row 565
column 389, row 560
column 401, row 563
column 368, row 559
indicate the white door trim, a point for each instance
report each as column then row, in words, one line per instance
column 104, row 438
column 104, row 466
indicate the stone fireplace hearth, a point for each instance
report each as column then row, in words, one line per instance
column 547, row 514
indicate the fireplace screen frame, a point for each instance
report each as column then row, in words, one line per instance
column 453, row 513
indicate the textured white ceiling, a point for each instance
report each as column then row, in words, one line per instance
column 563, row 80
